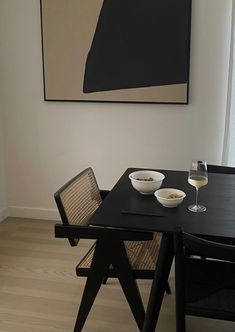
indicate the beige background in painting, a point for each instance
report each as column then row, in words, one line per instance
column 68, row 29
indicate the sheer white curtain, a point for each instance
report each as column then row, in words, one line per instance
column 229, row 139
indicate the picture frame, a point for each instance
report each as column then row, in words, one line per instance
column 124, row 51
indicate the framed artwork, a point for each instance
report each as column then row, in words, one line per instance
column 116, row 50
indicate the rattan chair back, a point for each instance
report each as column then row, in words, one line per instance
column 78, row 199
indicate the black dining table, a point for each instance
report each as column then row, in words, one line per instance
column 126, row 208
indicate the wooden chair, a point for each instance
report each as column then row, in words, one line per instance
column 220, row 169
column 204, row 288
column 116, row 253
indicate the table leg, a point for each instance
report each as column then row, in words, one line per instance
column 158, row 288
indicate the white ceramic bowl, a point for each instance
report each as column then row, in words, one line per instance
column 164, row 197
column 146, row 182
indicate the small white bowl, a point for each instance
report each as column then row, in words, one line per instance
column 146, row 182
column 163, row 197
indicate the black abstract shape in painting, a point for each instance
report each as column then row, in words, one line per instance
column 139, row 43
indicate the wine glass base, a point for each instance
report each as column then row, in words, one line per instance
column 197, row 208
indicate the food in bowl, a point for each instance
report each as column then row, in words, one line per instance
column 149, row 179
column 146, row 181
column 170, row 197
column 174, row 195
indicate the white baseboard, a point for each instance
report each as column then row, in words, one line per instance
column 33, row 213
column 4, row 213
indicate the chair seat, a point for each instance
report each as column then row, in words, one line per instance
column 209, row 288
column 142, row 254
column 220, row 304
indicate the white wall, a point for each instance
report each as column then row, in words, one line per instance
column 47, row 142
column 3, row 205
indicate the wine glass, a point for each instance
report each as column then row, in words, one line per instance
column 198, row 178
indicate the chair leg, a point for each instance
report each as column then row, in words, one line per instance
column 98, row 270
column 107, row 253
column 123, row 270
column 168, row 289
column 105, row 279
column 161, row 275
column 180, row 322
column 179, row 286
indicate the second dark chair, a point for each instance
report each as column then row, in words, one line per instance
column 220, row 169
column 206, row 287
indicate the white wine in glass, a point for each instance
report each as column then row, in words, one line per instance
column 198, row 178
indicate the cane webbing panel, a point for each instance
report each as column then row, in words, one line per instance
column 142, row 254
column 81, row 198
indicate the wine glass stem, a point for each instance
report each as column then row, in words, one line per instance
column 196, row 196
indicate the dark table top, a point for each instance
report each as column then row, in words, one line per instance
column 218, row 197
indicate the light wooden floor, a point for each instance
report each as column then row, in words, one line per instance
column 39, row 291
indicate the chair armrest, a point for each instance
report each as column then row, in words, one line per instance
column 104, row 193
column 90, row 232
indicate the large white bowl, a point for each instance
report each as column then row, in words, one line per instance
column 145, row 181
column 163, row 197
